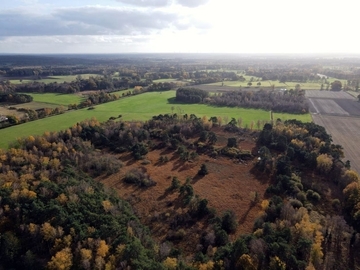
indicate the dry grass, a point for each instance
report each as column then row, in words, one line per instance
column 228, row 186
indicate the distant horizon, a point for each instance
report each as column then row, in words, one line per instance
column 178, row 26
column 187, row 53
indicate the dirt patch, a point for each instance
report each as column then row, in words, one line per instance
column 229, row 185
column 5, row 111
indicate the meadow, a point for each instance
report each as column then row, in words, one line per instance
column 58, row 79
column 140, row 107
column 269, row 83
column 276, row 83
column 57, row 99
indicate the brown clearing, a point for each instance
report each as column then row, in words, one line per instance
column 228, row 186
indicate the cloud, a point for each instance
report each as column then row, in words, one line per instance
column 192, row 3
column 93, row 20
column 163, row 3
column 145, row 3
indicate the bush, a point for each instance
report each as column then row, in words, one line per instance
column 203, row 170
column 312, row 195
column 231, row 142
column 295, row 203
column 336, row 203
column 139, row 177
column 175, row 184
column 228, row 222
column 301, row 196
column 139, row 150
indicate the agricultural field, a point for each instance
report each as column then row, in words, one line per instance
column 269, row 83
column 344, row 131
column 57, row 99
column 140, row 107
column 333, row 103
column 339, row 113
column 58, row 79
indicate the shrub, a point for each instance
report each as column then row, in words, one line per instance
column 231, row 142
column 139, row 150
column 336, row 203
column 139, row 177
column 312, row 195
column 324, row 163
column 301, row 196
column 254, row 197
column 175, row 184
column 228, row 222
column 295, row 203
column 221, row 237
column 203, row 170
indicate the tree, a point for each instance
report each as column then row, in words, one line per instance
column 212, row 138
column 203, row 170
column 249, row 84
column 336, row 85
column 231, row 142
column 62, row 260
column 324, row 163
column 228, row 222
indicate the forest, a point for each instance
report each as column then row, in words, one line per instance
column 290, row 101
column 54, row 215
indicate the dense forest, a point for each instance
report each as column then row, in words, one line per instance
column 291, row 101
column 54, row 215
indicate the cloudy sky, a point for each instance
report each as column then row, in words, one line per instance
column 219, row 26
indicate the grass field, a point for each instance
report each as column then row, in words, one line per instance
column 58, row 99
column 269, row 83
column 58, row 79
column 141, row 107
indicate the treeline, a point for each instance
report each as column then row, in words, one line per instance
column 297, row 74
column 162, row 86
column 291, row 101
column 15, row 98
column 191, row 95
column 93, row 83
column 48, row 72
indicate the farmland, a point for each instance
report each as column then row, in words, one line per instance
column 141, row 107
column 270, row 83
column 339, row 113
column 57, row 99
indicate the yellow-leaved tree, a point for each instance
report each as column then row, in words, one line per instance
column 61, row 261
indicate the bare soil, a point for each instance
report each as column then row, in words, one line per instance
column 339, row 113
column 5, row 111
column 344, row 131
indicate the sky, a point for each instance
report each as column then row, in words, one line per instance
column 179, row 26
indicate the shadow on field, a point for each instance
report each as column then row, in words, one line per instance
column 173, row 100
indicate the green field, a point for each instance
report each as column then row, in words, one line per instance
column 140, row 107
column 277, row 84
column 57, row 99
column 58, row 79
